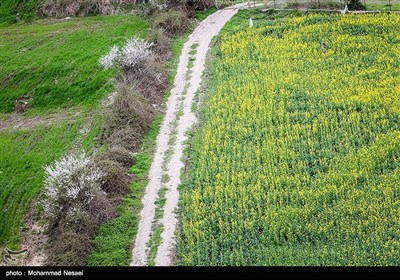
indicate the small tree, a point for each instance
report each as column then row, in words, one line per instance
column 70, row 186
column 355, row 5
column 132, row 55
column 201, row 4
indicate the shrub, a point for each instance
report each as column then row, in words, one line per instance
column 127, row 137
column 173, row 22
column 109, row 59
column 100, row 209
column 62, row 8
column 117, row 154
column 74, row 205
column 293, row 5
column 148, row 10
column 323, row 4
column 69, row 247
column 143, row 70
column 162, row 43
column 200, row 4
column 132, row 55
column 151, row 82
column 127, row 118
column 355, row 5
column 70, row 185
column 116, row 181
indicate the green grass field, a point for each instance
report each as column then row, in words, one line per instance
column 55, row 63
column 23, row 154
column 9, row 8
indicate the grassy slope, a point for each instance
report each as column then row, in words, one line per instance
column 64, row 63
column 317, row 182
column 22, row 157
column 10, row 8
column 55, row 62
column 113, row 243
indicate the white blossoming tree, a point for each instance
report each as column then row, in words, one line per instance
column 132, row 55
column 71, row 184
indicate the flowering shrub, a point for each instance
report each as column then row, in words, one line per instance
column 133, row 54
column 71, row 184
column 108, row 60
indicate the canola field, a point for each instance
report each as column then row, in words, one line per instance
column 297, row 158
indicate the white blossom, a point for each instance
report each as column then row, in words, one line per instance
column 133, row 53
column 109, row 59
column 71, row 182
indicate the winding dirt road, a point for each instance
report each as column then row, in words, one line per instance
column 167, row 162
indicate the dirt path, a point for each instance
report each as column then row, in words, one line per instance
column 170, row 144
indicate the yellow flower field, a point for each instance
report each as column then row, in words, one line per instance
column 297, row 158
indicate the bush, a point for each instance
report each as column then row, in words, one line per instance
column 162, row 43
column 109, row 59
column 132, row 55
column 355, row 5
column 69, row 247
column 128, row 108
column 148, row 10
column 62, row 8
column 143, row 70
column 151, row 82
column 323, row 4
column 127, row 137
column 74, row 205
column 293, row 5
column 173, row 22
column 100, row 209
column 70, row 185
column 116, row 181
column 117, row 154
column 200, row 4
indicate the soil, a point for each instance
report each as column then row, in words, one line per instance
column 17, row 121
